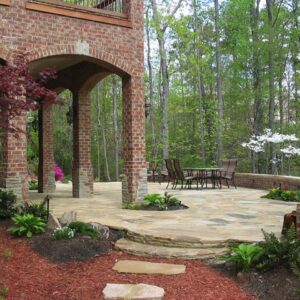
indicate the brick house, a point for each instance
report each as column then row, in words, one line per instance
column 85, row 42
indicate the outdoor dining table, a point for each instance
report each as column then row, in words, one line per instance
column 204, row 174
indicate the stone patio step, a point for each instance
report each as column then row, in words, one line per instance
column 147, row 250
column 176, row 242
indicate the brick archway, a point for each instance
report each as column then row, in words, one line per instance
column 97, row 53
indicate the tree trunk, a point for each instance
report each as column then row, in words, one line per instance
column 101, row 126
column 160, row 28
column 116, row 127
column 151, row 90
column 219, row 85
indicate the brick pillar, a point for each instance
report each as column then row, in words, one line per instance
column 134, row 183
column 46, row 178
column 13, row 165
column 82, row 165
column 298, row 222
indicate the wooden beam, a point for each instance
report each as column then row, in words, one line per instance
column 5, row 2
column 75, row 11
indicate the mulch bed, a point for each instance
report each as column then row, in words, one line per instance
column 277, row 284
column 28, row 275
column 155, row 208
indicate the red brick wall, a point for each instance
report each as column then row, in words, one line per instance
column 264, row 181
column 46, row 34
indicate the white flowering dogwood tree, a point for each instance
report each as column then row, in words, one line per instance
column 260, row 143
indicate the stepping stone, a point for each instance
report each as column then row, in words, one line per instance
column 143, row 267
column 133, row 291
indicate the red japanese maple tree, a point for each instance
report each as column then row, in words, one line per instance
column 20, row 91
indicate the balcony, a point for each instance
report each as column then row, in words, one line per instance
column 112, row 12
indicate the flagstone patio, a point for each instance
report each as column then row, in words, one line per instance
column 214, row 216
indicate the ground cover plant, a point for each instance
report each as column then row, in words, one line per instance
column 7, row 204
column 157, row 202
column 63, row 233
column 283, row 194
column 81, row 228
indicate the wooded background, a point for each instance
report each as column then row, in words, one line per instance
column 215, row 74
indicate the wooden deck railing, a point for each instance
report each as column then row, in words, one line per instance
column 111, row 5
column 105, row 11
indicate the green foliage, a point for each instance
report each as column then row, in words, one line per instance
column 27, row 225
column 281, row 251
column 3, row 292
column 82, row 228
column 7, row 254
column 162, row 203
column 170, row 200
column 153, row 200
column 33, row 185
column 63, row 233
column 245, row 256
column 36, row 209
column 7, row 203
column 132, row 206
column 284, row 195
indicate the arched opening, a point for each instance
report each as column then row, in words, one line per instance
column 96, row 114
column 106, row 110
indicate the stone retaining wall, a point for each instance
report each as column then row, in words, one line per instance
column 265, row 181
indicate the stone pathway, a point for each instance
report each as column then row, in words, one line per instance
column 214, row 217
column 144, row 267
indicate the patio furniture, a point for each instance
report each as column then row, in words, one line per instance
column 180, row 176
column 171, row 172
column 228, row 174
column 153, row 172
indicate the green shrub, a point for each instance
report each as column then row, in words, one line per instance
column 36, row 209
column 285, row 250
column 27, row 225
column 7, row 204
column 63, row 233
column 162, row 203
column 33, row 185
column 244, row 256
column 83, row 229
column 282, row 194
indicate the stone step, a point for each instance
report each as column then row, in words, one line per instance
column 146, row 250
column 176, row 242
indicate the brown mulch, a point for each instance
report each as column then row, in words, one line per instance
column 31, row 276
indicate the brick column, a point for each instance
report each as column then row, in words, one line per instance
column 13, row 165
column 82, row 165
column 134, row 183
column 298, row 221
column 46, row 176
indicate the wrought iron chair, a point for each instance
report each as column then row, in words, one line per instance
column 228, row 174
column 180, row 176
column 171, row 172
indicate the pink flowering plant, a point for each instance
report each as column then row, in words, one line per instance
column 59, row 174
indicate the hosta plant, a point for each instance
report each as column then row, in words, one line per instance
column 245, row 256
column 27, row 225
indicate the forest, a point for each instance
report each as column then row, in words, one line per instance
column 222, row 80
